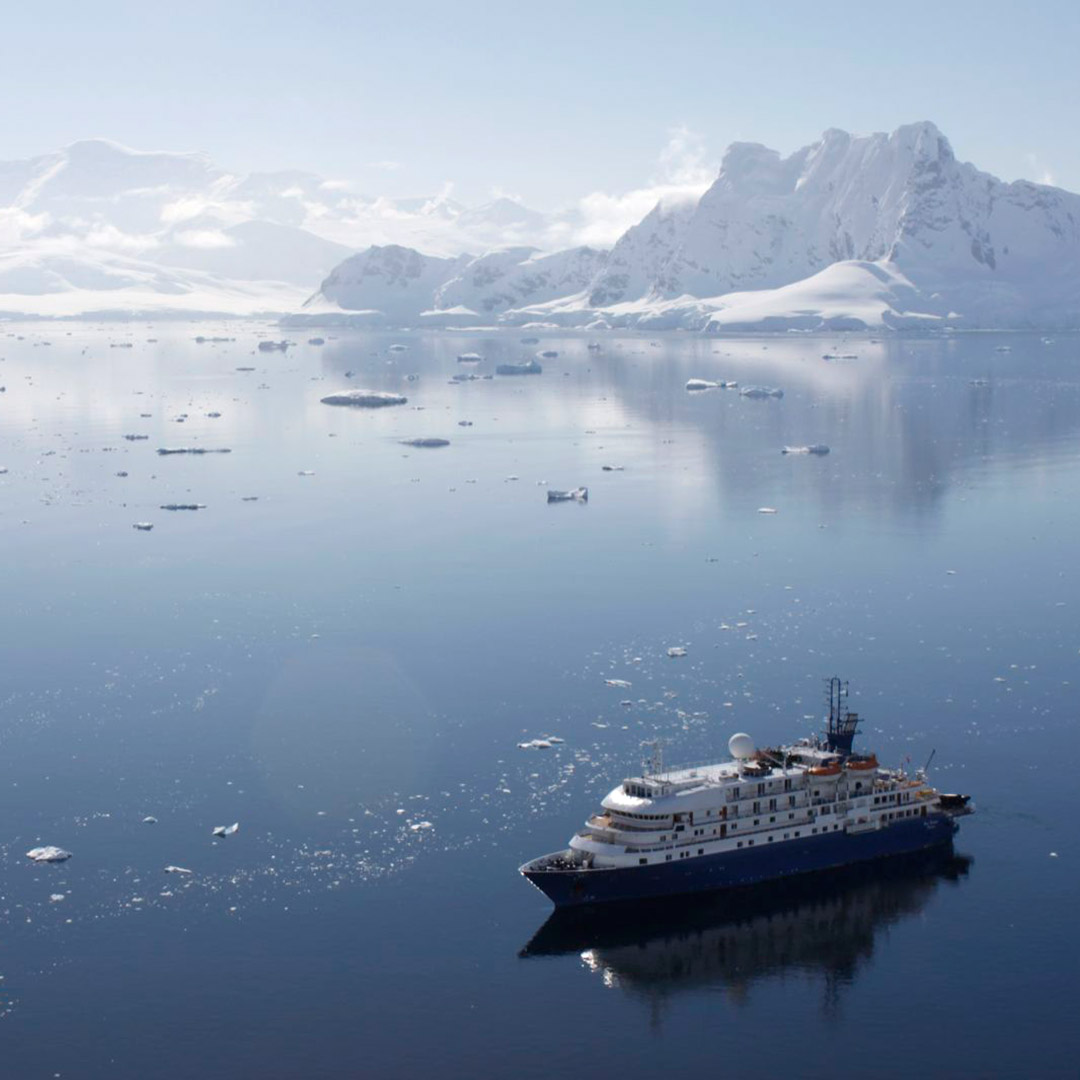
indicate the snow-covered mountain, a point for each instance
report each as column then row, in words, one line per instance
column 876, row 231
column 97, row 226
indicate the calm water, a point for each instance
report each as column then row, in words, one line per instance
column 353, row 635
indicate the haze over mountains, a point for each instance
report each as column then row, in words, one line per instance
column 879, row 231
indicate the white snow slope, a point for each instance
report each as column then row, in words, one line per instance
column 878, row 231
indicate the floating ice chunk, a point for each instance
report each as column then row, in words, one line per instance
column 366, row 399
column 183, row 506
column 316, row 341
column 580, row 494
column 617, row 682
column 149, row 820
column 3, row 469
column 56, row 897
column 612, row 468
column 143, row 526
column 273, row 346
column 676, row 650
column 177, row 870
column 425, row 442
column 761, row 392
column 708, row 384
column 767, row 510
column 535, row 744
column 418, row 826
column 469, row 358
column 815, row 448
column 549, row 354
column 398, row 348
column 227, row 830
column 526, row 367
column 49, row 853
column 136, row 438
column 213, row 416
column 165, row 451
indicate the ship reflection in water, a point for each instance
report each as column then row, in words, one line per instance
column 822, row 926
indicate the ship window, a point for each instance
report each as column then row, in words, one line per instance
column 787, row 836
column 816, row 793
column 739, row 844
column 734, row 827
column 791, row 800
column 798, row 834
column 667, row 858
column 787, row 785
column 770, row 839
column 757, row 821
column 814, row 831
column 642, row 862
column 749, row 843
column 773, row 818
column 791, row 817
column 701, row 851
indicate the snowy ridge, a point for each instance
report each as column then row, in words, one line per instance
column 878, row 232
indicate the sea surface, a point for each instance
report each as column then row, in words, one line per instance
column 343, row 647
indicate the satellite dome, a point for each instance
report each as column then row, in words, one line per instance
column 741, row 746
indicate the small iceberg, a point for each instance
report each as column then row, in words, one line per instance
column 49, row 853
column 526, row 367
column 425, row 442
column 548, row 354
column 143, row 526
column 761, row 392
column 816, row 448
column 469, row 358
column 177, row 870
column 398, row 348
column 183, row 506
column 767, row 510
column 708, row 384
column 622, row 683
column 136, row 438
column 580, row 494
column 535, row 744
column 366, row 399
column 227, row 830
column 273, row 346
column 676, row 650
column 165, row 451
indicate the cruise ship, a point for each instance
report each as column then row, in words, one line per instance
column 766, row 814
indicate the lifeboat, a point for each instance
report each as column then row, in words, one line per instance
column 830, row 769
column 862, row 764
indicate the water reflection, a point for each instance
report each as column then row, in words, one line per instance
column 822, row 927
column 909, row 420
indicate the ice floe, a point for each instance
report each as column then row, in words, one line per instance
column 367, row 399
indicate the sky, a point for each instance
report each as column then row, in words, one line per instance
column 551, row 103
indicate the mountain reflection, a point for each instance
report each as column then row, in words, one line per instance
column 825, row 926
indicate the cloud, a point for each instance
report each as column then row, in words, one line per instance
column 17, row 225
column 204, row 239
column 683, row 172
column 1045, row 176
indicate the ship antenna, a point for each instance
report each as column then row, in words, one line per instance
column 926, row 768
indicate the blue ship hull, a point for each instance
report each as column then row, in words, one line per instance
column 734, row 869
